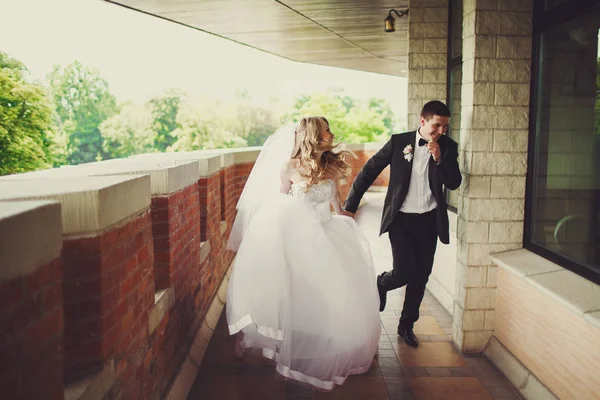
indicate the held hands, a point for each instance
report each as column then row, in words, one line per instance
column 347, row 213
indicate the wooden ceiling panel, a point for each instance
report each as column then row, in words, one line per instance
column 341, row 33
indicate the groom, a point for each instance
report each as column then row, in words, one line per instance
column 415, row 213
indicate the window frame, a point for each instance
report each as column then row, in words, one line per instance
column 451, row 63
column 543, row 21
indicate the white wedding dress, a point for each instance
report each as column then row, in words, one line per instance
column 303, row 289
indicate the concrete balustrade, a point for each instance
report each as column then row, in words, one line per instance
column 31, row 313
column 107, row 262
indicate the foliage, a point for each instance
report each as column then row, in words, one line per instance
column 77, row 119
column 25, row 120
column 164, row 109
column 129, row 132
column 204, row 125
column 350, row 120
column 83, row 101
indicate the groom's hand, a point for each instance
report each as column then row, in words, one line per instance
column 434, row 150
column 348, row 213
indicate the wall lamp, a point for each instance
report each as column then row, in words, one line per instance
column 390, row 22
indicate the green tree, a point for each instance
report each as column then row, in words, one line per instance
column 251, row 122
column 26, row 132
column 351, row 120
column 164, row 109
column 204, row 125
column 83, row 101
column 129, row 132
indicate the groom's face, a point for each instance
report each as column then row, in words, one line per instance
column 434, row 127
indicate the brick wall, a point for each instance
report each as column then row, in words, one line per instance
column 176, row 234
column 363, row 156
column 108, row 291
column 134, row 294
column 31, row 328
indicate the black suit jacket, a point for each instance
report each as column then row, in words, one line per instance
column 445, row 174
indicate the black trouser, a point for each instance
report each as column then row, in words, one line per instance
column 413, row 238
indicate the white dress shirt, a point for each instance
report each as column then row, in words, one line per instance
column 419, row 198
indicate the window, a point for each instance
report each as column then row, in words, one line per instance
column 562, row 219
column 454, row 81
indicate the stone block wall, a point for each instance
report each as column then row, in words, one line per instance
column 427, row 55
column 493, row 157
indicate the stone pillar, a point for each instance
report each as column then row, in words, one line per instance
column 493, row 156
column 31, row 310
column 427, row 55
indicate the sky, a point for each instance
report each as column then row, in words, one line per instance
column 141, row 56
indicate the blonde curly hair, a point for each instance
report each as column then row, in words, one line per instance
column 317, row 157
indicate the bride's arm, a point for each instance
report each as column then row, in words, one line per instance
column 335, row 198
column 286, row 174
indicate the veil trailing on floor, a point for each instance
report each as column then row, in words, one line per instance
column 263, row 182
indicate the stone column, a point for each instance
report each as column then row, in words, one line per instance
column 427, row 55
column 493, row 156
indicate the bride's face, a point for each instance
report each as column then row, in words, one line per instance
column 326, row 134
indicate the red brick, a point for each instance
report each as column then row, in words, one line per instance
column 49, row 326
column 53, row 297
column 75, row 289
column 44, row 276
column 11, row 293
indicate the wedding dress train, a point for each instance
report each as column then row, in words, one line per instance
column 303, row 289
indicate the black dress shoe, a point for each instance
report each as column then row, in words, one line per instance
column 409, row 336
column 382, row 295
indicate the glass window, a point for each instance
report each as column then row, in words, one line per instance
column 548, row 4
column 456, row 25
column 564, row 200
column 454, row 128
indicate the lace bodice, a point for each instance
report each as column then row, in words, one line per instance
column 317, row 194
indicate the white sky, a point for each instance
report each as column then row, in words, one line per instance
column 140, row 55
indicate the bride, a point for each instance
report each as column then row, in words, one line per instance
column 303, row 289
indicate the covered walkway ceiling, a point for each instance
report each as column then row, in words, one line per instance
column 338, row 33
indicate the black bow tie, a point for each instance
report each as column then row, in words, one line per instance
column 422, row 142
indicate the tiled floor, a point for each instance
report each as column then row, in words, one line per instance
column 434, row 371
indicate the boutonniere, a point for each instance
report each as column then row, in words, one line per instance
column 408, row 152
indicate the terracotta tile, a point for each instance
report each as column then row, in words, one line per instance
column 387, row 345
column 440, row 338
column 372, row 388
column 461, row 371
column 297, row 392
column 427, row 325
column 356, row 388
column 432, row 354
column 398, row 388
column 435, row 388
column 503, row 393
column 392, row 371
column 439, row 371
column 445, row 324
column 416, row 371
column 388, row 361
column 387, row 353
column 231, row 387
